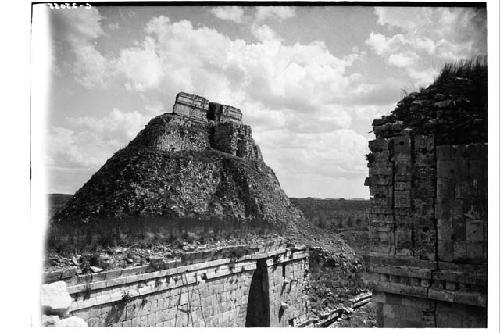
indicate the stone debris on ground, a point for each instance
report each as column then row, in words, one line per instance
column 54, row 298
column 112, row 257
column 359, row 311
column 365, row 316
column 56, row 302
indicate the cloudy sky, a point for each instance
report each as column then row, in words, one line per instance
column 309, row 80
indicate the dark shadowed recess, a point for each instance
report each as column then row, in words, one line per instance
column 258, row 298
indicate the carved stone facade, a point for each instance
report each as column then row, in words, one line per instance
column 191, row 105
column 201, row 109
column 428, row 229
column 197, row 125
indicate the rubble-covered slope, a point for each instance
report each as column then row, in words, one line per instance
column 209, row 184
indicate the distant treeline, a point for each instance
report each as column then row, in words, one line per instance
column 337, row 214
column 57, row 202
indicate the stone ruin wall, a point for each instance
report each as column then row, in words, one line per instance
column 264, row 288
column 191, row 106
column 428, row 230
column 202, row 110
column 196, row 124
column 235, row 140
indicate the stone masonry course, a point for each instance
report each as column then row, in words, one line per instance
column 203, row 294
column 429, row 208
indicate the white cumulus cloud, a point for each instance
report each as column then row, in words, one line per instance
column 264, row 33
column 141, row 66
column 75, row 31
column 228, row 13
column 276, row 12
column 403, row 59
column 438, row 33
column 92, row 140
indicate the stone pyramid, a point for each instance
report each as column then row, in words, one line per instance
column 198, row 162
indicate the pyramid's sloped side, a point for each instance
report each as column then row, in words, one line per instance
column 170, row 133
column 149, row 182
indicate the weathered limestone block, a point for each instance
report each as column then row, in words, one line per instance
column 382, row 242
column 224, row 113
column 459, row 316
column 380, row 220
column 443, row 152
column 380, row 179
column 388, row 129
column 425, row 174
column 401, row 316
column 425, row 239
column 402, row 145
column 230, row 113
column 191, row 105
column 72, row 321
column 378, row 191
column 402, row 199
column 381, row 168
column 55, row 299
column 379, row 145
column 424, row 190
column 402, row 168
column 235, row 139
column 474, row 230
column 381, row 156
column 402, row 186
column 423, row 207
column 404, row 244
column 382, row 202
column 424, row 143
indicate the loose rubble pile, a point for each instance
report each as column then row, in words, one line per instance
column 113, row 257
column 364, row 316
column 56, row 301
column 344, row 312
column 334, row 279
